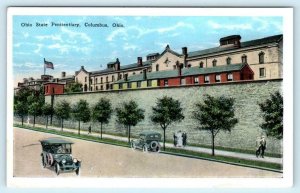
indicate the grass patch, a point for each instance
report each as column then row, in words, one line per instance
column 182, row 152
column 231, row 160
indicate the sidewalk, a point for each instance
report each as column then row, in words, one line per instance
column 191, row 148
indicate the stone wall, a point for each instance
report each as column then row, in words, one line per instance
column 247, row 96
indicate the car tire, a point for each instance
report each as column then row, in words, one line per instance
column 77, row 171
column 57, row 169
column 153, row 145
column 145, row 148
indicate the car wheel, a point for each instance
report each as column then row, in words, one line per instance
column 153, row 145
column 57, row 168
column 145, row 148
column 77, row 171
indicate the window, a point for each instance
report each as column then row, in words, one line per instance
column 214, row 63
column 218, row 78
column 201, row 65
column 128, row 84
column 166, row 83
column 196, row 80
column 261, row 57
column 182, row 81
column 120, row 76
column 111, row 86
column 120, row 86
column 107, row 79
column 157, row 67
column 262, row 72
column 189, row 65
column 96, row 87
column 228, row 60
column 244, row 59
column 101, row 88
column 139, row 84
column 113, row 78
column 101, row 80
column 149, row 83
column 107, row 86
column 96, row 81
column 133, row 73
column 91, row 88
column 91, row 81
column 229, row 77
column 206, row 79
column 85, row 79
column 141, row 72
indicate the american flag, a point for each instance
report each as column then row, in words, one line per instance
column 48, row 64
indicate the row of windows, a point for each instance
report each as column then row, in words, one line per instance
column 138, row 84
column 261, row 57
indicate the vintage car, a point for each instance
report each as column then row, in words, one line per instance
column 148, row 141
column 57, row 153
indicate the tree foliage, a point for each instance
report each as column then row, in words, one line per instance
column 166, row 111
column 47, row 110
column 62, row 111
column 21, row 103
column 101, row 112
column 73, row 87
column 21, row 110
column 215, row 114
column 81, row 112
column 272, row 112
column 129, row 115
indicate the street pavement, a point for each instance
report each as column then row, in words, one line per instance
column 191, row 148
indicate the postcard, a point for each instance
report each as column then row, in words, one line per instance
column 149, row 97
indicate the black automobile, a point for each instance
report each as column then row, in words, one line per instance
column 148, row 141
column 57, row 153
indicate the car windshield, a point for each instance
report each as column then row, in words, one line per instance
column 58, row 148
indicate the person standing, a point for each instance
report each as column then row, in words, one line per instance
column 263, row 145
column 90, row 129
column 184, row 139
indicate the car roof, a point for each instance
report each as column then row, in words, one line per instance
column 149, row 133
column 55, row 140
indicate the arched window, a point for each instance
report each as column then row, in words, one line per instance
column 201, row 65
column 107, row 79
column 228, row 60
column 244, row 59
column 157, row 67
column 261, row 57
column 214, row 63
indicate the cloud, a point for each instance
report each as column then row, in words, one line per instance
column 38, row 49
column 56, row 37
column 162, row 45
column 25, row 34
column 73, row 34
column 226, row 26
column 129, row 47
column 265, row 24
column 142, row 31
column 65, row 48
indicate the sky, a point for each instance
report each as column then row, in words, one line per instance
column 70, row 47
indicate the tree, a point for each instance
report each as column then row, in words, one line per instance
column 272, row 111
column 74, row 87
column 129, row 115
column 47, row 111
column 214, row 115
column 34, row 110
column 21, row 103
column 81, row 112
column 166, row 111
column 101, row 112
column 62, row 111
column 21, row 110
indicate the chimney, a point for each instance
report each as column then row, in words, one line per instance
column 125, row 77
column 145, row 74
column 139, row 61
column 184, row 51
column 117, row 64
column 179, row 68
column 63, row 74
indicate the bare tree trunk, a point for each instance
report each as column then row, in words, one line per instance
column 213, row 143
column 129, row 134
column 101, row 130
column 33, row 120
column 22, row 120
column 78, row 127
column 46, row 122
column 62, row 124
column 164, row 138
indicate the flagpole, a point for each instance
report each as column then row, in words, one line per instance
column 44, row 67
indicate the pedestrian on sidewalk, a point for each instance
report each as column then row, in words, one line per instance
column 90, row 129
column 175, row 140
column 184, row 139
column 262, row 144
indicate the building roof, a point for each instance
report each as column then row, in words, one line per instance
column 56, row 140
column 266, row 40
column 184, row 72
column 152, row 54
column 230, row 37
column 125, row 67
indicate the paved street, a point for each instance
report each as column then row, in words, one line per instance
column 101, row 160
